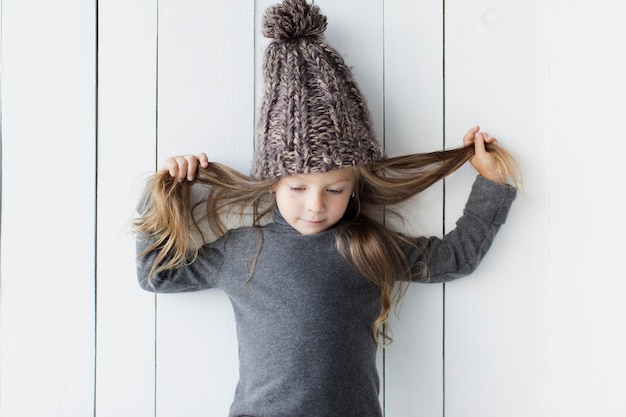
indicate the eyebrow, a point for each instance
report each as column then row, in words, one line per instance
column 341, row 180
column 300, row 178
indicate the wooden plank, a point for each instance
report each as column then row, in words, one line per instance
column 126, row 155
column 495, row 328
column 48, row 208
column 206, row 103
column 414, row 123
column 587, row 320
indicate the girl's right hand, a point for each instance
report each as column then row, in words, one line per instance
column 184, row 167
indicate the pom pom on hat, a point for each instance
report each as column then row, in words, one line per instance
column 293, row 19
column 313, row 117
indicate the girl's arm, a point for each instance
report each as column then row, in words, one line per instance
column 192, row 275
column 460, row 251
column 197, row 274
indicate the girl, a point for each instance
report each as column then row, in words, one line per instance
column 313, row 288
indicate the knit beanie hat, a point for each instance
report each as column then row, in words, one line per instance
column 313, row 116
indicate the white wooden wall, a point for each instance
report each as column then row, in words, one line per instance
column 95, row 94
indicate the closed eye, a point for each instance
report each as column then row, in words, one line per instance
column 335, row 191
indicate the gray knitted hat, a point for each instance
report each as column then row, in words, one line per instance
column 313, row 117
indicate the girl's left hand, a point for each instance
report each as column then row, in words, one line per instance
column 483, row 161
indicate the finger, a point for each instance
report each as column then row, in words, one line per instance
column 489, row 139
column 166, row 165
column 483, row 155
column 479, row 145
column 171, row 166
column 181, row 168
column 203, row 159
column 469, row 136
column 192, row 166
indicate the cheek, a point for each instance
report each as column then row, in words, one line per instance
column 340, row 206
column 285, row 203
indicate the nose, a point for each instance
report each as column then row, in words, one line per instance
column 315, row 202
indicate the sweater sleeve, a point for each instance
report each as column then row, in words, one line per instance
column 460, row 251
column 199, row 274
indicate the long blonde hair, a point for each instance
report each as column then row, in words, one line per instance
column 170, row 218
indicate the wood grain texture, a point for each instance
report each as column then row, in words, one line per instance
column 496, row 334
column 93, row 100
column 48, row 200
column 206, row 104
column 586, row 286
column 127, row 116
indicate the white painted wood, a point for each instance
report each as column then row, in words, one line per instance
column 206, row 103
column 587, row 285
column 414, row 123
column 126, row 155
column 538, row 330
column 495, row 327
column 48, row 208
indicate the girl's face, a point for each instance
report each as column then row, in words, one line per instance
column 312, row 203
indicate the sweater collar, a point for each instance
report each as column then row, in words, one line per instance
column 280, row 222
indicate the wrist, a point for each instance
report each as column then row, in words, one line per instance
column 495, row 176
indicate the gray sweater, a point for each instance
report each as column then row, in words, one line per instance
column 304, row 320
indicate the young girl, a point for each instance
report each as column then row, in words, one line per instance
column 313, row 288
